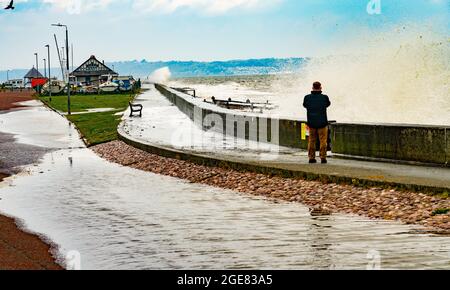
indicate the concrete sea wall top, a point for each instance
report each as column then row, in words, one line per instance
column 397, row 142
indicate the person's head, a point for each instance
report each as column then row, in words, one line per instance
column 317, row 87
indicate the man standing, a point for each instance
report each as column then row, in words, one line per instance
column 316, row 104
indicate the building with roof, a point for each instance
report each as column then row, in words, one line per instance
column 34, row 78
column 33, row 74
column 15, row 84
column 92, row 71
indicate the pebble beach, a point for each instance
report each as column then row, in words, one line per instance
column 323, row 199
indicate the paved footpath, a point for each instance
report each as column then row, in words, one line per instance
column 164, row 127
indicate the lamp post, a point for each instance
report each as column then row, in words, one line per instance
column 49, row 72
column 71, row 51
column 37, row 63
column 37, row 73
column 45, row 68
column 68, row 67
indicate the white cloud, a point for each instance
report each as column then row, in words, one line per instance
column 208, row 6
column 163, row 6
column 78, row 6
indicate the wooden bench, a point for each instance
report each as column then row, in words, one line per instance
column 135, row 109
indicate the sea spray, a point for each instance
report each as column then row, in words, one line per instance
column 160, row 76
column 401, row 76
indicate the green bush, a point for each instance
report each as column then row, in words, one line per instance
column 441, row 211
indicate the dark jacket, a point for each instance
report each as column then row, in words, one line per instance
column 316, row 104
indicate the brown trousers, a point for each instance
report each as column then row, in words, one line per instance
column 323, row 138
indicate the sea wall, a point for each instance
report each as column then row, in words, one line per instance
column 428, row 144
column 283, row 132
column 411, row 143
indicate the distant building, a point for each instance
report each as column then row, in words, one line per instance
column 91, row 71
column 15, row 84
column 34, row 77
column 33, row 74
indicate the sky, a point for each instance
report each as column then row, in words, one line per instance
column 201, row 30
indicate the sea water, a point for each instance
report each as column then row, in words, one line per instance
column 399, row 75
column 113, row 217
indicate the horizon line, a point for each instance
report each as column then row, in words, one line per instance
column 185, row 61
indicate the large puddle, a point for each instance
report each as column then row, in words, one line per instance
column 121, row 218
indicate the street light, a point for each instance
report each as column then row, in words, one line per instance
column 45, row 68
column 49, row 72
column 68, row 67
column 37, row 64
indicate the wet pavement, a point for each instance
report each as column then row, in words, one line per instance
column 45, row 133
column 14, row 155
column 121, row 218
column 39, row 126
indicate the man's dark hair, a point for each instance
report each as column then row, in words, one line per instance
column 317, row 86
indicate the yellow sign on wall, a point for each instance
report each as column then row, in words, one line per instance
column 305, row 131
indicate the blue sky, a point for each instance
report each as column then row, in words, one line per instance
column 201, row 29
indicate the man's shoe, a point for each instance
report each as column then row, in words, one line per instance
column 312, row 161
column 324, row 161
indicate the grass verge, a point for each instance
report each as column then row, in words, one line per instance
column 81, row 103
column 97, row 128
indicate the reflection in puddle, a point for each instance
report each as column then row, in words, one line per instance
column 122, row 218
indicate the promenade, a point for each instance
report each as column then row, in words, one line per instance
column 164, row 129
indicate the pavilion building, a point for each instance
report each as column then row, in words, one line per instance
column 32, row 74
column 92, row 72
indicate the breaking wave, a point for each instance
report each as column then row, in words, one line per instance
column 401, row 76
